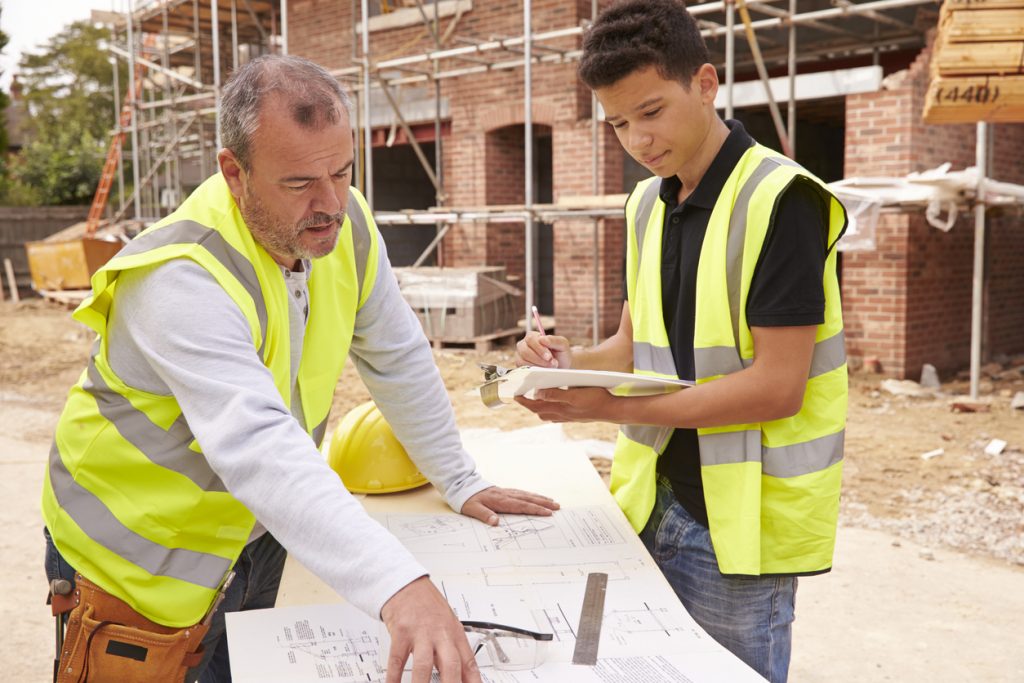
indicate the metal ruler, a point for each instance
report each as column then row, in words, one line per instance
column 588, row 635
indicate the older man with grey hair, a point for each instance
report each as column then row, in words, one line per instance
column 188, row 452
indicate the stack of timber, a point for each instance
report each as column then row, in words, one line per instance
column 978, row 63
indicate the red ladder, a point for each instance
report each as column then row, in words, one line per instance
column 99, row 200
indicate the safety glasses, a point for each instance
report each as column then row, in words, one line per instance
column 508, row 648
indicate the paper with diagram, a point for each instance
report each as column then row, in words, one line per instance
column 505, row 386
column 527, row 572
column 309, row 643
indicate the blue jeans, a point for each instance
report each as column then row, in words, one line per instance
column 257, row 577
column 751, row 617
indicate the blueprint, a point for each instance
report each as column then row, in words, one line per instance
column 526, row 572
column 450, row 542
column 340, row 644
column 308, row 643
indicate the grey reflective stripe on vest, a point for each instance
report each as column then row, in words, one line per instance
column 651, row 358
column 737, row 239
column 190, row 232
column 648, row 356
column 100, row 524
column 320, row 430
column 829, row 354
column 649, row 435
column 167, row 448
column 360, row 241
column 727, row 448
column 643, row 215
column 802, row 458
column 722, row 360
column 711, row 361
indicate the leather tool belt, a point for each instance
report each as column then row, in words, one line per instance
column 109, row 642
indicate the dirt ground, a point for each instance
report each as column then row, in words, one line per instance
column 929, row 577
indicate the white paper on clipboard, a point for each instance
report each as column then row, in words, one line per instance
column 523, row 380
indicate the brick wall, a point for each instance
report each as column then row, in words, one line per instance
column 906, row 303
column 909, row 302
column 574, row 239
column 483, row 153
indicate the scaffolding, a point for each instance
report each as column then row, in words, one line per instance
column 195, row 43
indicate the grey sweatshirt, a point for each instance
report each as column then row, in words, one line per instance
column 174, row 331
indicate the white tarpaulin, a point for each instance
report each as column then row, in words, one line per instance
column 942, row 192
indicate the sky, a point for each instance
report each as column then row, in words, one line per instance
column 30, row 23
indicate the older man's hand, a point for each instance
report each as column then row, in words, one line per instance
column 487, row 504
column 422, row 624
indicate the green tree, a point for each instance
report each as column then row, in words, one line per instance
column 68, row 91
column 4, row 102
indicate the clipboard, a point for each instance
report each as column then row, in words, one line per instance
column 504, row 384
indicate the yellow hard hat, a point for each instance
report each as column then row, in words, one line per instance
column 367, row 456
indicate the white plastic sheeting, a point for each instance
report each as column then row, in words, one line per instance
column 943, row 193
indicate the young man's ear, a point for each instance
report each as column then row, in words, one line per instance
column 707, row 80
column 232, row 171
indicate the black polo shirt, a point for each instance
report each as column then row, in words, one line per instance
column 786, row 289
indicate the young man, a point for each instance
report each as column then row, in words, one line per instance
column 190, row 446
column 731, row 282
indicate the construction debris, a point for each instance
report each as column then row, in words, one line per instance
column 907, row 387
column 995, row 447
column 930, row 377
column 968, row 406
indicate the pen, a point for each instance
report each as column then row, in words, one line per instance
column 536, row 320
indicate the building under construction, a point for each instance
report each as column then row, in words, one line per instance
column 448, row 92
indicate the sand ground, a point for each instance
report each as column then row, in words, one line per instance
column 928, row 583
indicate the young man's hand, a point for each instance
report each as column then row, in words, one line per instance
column 544, row 351
column 583, row 404
column 486, row 504
column 422, row 624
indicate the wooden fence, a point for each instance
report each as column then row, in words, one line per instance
column 20, row 224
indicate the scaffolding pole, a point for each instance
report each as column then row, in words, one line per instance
column 440, row 199
column 284, row 27
column 528, row 135
column 136, row 198
column 811, row 17
column 978, row 276
column 119, row 131
column 791, row 110
column 763, row 73
column 595, row 187
column 526, row 50
column 234, row 35
column 367, row 125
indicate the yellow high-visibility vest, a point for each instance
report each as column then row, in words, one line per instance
column 129, row 498
column 771, row 489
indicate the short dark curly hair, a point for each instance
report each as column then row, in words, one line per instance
column 634, row 34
